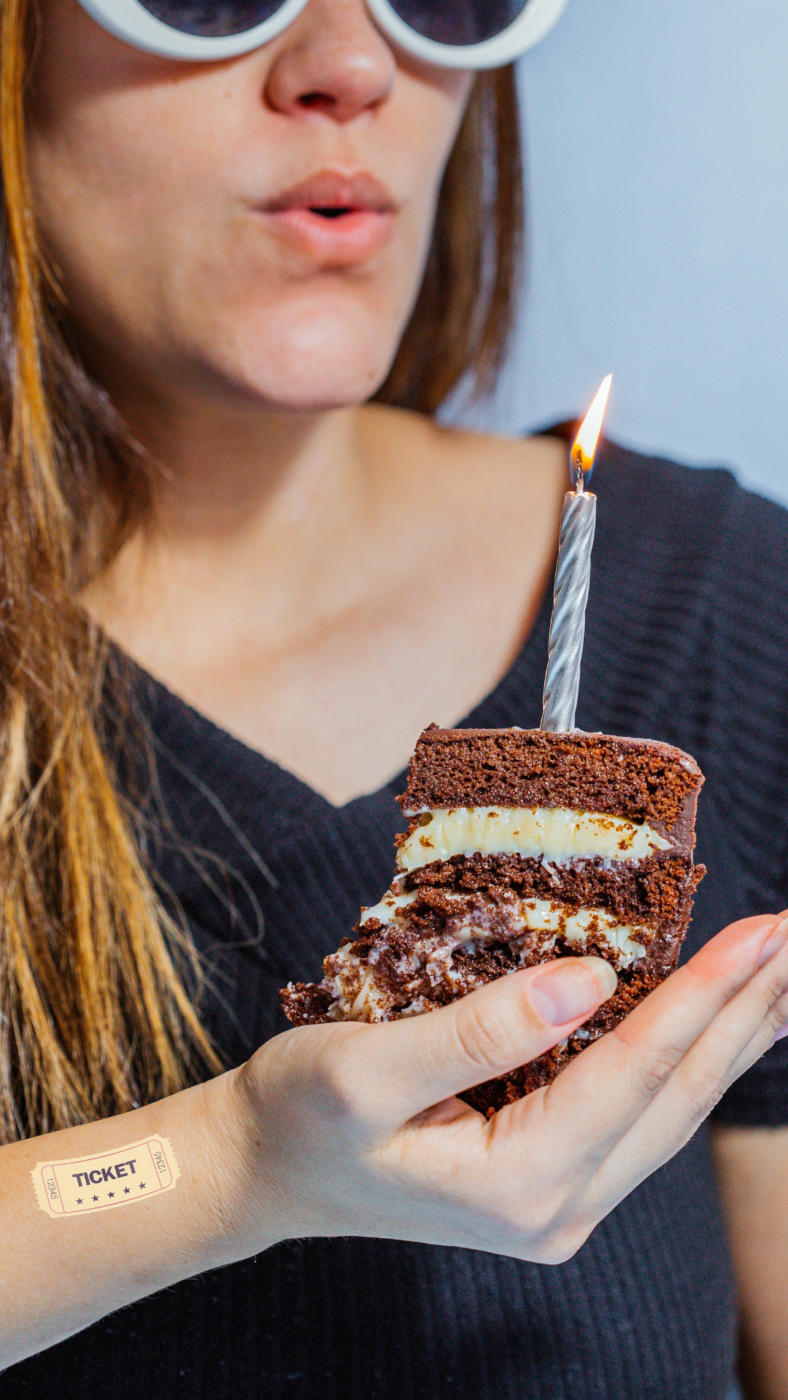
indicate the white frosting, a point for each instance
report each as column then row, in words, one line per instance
column 367, row 1000
column 557, row 834
column 541, row 915
column 576, row 928
column 389, row 907
column 358, row 996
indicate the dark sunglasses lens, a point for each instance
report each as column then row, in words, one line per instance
column 459, row 21
column 212, row 18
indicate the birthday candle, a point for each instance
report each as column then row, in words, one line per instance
column 572, row 576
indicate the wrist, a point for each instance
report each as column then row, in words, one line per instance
column 245, row 1214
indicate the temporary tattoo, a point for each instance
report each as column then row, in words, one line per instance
column 99, row 1182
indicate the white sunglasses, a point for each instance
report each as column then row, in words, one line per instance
column 472, row 34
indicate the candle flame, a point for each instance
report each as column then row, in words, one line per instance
column 585, row 444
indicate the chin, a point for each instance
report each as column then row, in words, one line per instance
column 312, row 360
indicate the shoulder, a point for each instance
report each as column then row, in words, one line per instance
column 474, row 491
column 703, row 561
column 705, row 548
column 689, row 508
column 692, row 602
column 460, row 451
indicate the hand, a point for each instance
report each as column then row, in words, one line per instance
column 353, row 1129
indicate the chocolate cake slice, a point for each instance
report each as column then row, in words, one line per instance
column 522, row 846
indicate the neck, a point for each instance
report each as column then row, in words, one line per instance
column 218, row 474
column 262, row 504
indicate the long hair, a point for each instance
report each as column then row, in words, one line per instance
column 100, row 982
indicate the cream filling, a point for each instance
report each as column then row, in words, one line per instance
column 539, row 915
column 586, row 923
column 556, row 834
column 369, row 994
column 388, row 909
column 360, row 998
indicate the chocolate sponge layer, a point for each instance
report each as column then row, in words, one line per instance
column 650, row 891
column 639, row 779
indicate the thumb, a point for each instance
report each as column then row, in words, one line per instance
column 424, row 1059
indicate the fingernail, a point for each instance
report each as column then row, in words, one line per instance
column 567, row 990
column 781, row 1034
column 774, row 942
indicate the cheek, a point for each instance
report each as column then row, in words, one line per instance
column 131, row 209
column 105, row 185
column 117, row 149
column 421, row 126
column 144, row 198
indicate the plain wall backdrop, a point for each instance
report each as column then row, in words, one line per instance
column 657, row 176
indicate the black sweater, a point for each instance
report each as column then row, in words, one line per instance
column 686, row 639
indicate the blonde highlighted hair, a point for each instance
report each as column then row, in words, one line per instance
column 100, row 985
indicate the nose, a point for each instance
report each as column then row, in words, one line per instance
column 332, row 60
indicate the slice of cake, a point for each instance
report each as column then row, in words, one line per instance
column 522, row 846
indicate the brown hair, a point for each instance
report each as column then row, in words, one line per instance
column 100, row 984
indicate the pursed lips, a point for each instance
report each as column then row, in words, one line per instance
column 334, row 217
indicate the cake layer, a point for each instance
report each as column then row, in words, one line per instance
column 555, row 834
column 632, row 987
column 500, row 916
column 423, row 947
column 638, row 779
column 468, row 916
column 646, row 891
column 523, row 846
column 390, row 970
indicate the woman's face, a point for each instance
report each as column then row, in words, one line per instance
column 179, row 203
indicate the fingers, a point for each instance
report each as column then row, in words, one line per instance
column 538, row 1178
column 773, row 1028
column 419, row 1061
column 698, row 1083
column 595, row 1102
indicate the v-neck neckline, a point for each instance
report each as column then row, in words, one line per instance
column 225, row 754
column 230, row 749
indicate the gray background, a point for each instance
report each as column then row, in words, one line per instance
column 657, row 173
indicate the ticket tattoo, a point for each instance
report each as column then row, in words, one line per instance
column 101, row 1182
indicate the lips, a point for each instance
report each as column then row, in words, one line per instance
column 330, row 190
column 334, row 218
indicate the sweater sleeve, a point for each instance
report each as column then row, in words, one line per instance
column 747, row 748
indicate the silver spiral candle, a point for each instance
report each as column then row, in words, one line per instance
column 572, row 576
column 568, row 623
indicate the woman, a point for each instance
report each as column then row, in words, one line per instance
column 234, row 592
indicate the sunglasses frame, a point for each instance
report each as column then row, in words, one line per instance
column 130, row 21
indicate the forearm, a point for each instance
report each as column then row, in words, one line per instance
column 753, row 1172
column 61, row 1272
column 331, row 1130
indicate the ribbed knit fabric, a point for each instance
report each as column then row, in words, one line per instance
column 686, row 641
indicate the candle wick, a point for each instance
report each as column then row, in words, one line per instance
column 576, row 471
